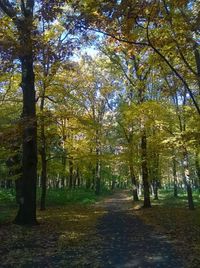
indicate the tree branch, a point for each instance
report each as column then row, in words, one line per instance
column 8, row 9
column 173, row 69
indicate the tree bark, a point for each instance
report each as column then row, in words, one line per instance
column 27, row 207
column 98, row 166
column 197, row 59
column 97, row 176
column 134, row 183
column 44, row 167
column 155, row 189
column 175, row 178
column 197, row 170
column 71, row 175
column 187, row 181
column 147, row 202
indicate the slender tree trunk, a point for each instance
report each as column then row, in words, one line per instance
column 98, row 165
column 43, row 154
column 78, row 177
column 175, row 178
column 27, row 207
column 98, row 177
column 155, row 189
column 197, row 59
column 113, row 183
column 88, row 182
column 64, row 159
column 134, row 183
column 71, row 175
column 43, row 179
column 147, row 202
column 44, row 167
column 188, row 182
column 64, row 163
column 197, row 170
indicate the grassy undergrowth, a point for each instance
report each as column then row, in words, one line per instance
column 59, row 197
column 54, row 198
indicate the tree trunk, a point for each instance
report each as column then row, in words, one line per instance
column 43, row 180
column 43, row 154
column 98, row 178
column 64, row 163
column 197, row 59
column 98, row 165
column 134, row 183
column 155, row 189
column 187, row 181
column 71, row 175
column 197, row 170
column 175, row 178
column 44, row 168
column 27, row 207
column 88, row 183
column 78, row 177
column 147, row 202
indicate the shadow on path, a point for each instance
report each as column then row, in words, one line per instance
column 128, row 242
column 119, row 239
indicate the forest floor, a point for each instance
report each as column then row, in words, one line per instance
column 114, row 232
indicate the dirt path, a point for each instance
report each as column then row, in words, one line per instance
column 128, row 242
column 122, row 240
column 107, row 235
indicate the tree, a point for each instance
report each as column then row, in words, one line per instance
column 167, row 28
column 23, row 21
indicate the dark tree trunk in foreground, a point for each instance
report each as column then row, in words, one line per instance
column 147, row 202
column 27, row 207
column 24, row 23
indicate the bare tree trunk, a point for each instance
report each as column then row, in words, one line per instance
column 44, row 167
column 64, row 163
column 98, row 165
column 43, row 153
column 134, row 183
column 71, row 173
column 197, row 170
column 175, row 178
column 97, row 175
column 147, row 202
column 187, row 181
column 27, row 207
column 155, row 189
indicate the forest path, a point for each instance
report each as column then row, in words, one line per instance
column 127, row 242
column 108, row 234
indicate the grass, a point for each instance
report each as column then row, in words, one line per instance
column 59, row 197
column 166, row 198
column 54, row 198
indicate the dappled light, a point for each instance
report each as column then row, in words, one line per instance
column 100, row 133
